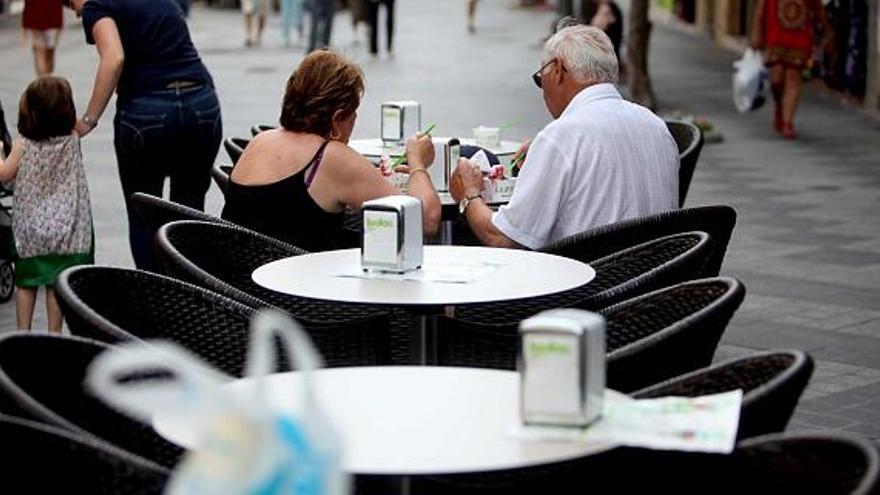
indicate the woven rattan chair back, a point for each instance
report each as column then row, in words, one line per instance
column 258, row 128
column 156, row 212
column 689, row 139
column 717, row 221
column 41, row 378
column 114, row 304
column 235, row 147
column 220, row 174
column 668, row 332
column 39, row 458
column 772, row 383
column 345, row 334
column 486, row 335
column 827, row 463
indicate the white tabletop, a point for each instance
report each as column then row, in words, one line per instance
column 521, row 274
column 375, row 147
column 415, row 420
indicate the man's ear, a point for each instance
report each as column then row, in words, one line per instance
column 559, row 72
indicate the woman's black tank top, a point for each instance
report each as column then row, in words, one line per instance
column 285, row 210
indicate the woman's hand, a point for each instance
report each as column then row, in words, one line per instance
column 82, row 128
column 420, row 151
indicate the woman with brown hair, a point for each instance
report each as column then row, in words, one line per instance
column 295, row 182
column 784, row 28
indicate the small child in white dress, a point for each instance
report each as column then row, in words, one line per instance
column 51, row 215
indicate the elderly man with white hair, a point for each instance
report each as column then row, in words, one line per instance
column 602, row 160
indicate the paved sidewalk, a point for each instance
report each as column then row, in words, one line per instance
column 806, row 244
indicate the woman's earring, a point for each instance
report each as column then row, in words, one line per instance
column 334, row 135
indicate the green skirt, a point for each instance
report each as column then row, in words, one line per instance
column 42, row 270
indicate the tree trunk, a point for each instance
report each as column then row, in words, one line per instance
column 640, row 89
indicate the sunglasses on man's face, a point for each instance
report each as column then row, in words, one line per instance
column 536, row 77
column 67, row 3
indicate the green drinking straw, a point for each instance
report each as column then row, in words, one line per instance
column 399, row 160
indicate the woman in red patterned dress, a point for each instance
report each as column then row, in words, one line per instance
column 43, row 20
column 784, row 28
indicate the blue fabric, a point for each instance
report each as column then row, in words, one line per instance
column 158, row 49
column 172, row 133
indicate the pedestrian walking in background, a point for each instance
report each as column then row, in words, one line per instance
column 358, row 17
column 42, row 21
column 472, row 16
column 255, row 12
column 605, row 15
column 373, row 20
column 785, row 30
column 322, row 23
column 168, row 123
column 291, row 17
column 51, row 216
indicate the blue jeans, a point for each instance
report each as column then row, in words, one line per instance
column 167, row 134
column 291, row 16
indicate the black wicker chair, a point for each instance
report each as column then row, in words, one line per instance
column 772, row 383
column 668, row 332
column 823, row 463
column 118, row 304
column 345, row 334
column 717, row 221
column 689, row 139
column 220, row 174
column 487, row 335
column 258, row 128
column 156, row 212
column 778, row 463
column 44, row 459
column 235, row 147
column 41, row 378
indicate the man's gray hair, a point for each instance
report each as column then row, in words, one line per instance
column 586, row 52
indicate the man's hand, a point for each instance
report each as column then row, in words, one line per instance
column 466, row 181
column 420, row 151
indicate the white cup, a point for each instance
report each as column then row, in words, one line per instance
column 487, row 137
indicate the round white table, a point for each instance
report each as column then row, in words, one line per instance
column 414, row 420
column 375, row 147
column 513, row 274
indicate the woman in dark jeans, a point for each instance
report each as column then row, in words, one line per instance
column 167, row 122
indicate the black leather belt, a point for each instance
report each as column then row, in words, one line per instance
column 181, row 84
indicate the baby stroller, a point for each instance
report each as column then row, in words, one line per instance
column 7, row 273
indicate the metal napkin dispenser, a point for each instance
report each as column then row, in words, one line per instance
column 400, row 121
column 391, row 234
column 562, row 367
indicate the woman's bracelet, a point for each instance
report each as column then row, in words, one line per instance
column 417, row 170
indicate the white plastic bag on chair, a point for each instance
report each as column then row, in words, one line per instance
column 242, row 446
column 749, row 82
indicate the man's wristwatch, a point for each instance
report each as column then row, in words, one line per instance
column 89, row 121
column 465, row 202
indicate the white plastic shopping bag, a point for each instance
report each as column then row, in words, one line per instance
column 243, row 447
column 749, row 81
